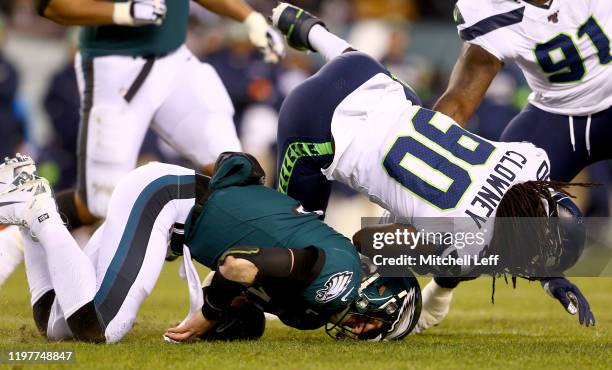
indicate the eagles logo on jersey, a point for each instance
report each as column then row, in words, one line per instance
column 334, row 286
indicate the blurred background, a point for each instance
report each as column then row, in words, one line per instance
column 416, row 39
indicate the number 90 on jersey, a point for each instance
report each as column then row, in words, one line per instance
column 434, row 161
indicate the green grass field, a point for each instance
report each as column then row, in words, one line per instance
column 523, row 329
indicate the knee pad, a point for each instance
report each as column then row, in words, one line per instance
column 114, row 135
column 113, row 142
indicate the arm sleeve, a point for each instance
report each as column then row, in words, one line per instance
column 486, row 24
column 291, row 268
column 295, row 264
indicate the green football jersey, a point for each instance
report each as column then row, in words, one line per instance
column 138, row 41
column 257, row 216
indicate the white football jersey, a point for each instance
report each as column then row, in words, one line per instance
column 563, row 48
column 417, row 163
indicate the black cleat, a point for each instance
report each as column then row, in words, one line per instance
column 295, row 23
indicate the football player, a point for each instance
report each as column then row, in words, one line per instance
column 563, row 49
column 353, row 122
column 264, row 247
column 134, row 73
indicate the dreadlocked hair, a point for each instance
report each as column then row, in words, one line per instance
column 511, row 235
column 521, row 219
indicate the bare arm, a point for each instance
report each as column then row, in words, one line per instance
column 79, row 12
column 237, row 10
column 471, row 77
column 97, row 12
column 231, row 271
column 235, row 274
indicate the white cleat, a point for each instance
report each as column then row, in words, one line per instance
column 20, row 205
column 16, row 171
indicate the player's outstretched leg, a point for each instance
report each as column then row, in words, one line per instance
column 304, row 31
column 305, row 142
column 69, row 271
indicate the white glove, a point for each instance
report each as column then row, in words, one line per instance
column 265, row 37
column 436, row 303
column 140, row 12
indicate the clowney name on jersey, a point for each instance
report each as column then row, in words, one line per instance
column 418, row 164
column 563, row 48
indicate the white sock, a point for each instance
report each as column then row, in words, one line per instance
column 37, row 271
column 72, row 273
column 11, row 252
column 326, row 43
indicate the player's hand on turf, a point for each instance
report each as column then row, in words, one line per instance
column 140, row 12
column 195, row 327
column 265, row 38
column 571, row 298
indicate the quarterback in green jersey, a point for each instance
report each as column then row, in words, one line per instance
column 264, row 248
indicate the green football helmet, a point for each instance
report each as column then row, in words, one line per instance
column 387, row 308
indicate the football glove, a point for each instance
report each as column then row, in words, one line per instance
column 436, row 304
column 265, row 38
column 140, row 12
column 571, row 298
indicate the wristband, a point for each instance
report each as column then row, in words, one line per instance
column 122, row 14
column 256, row 21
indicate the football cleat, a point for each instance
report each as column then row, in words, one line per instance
column 295, row 23
column 16, row 171
column 20, row 205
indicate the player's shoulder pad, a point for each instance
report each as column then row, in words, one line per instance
column 476, row 18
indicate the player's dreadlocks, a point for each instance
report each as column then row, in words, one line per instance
column 522, row 218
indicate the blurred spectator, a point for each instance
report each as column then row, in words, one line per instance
column 408, row 67
column 247, row 78
column 58, row 162
column 25, row 20
column 386, row 9
column 256, row 89
column 11, row 125
column 7, row 7
column 505, row 98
